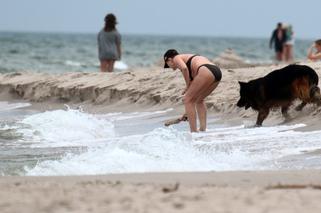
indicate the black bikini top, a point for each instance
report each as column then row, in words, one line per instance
column 189, row 66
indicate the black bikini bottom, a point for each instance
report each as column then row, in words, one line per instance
column 216, row 71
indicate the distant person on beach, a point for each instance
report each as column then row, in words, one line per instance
column 278, row 38
column 314, row 52
column 201, row 77
column 109, row 44
column 289, row 42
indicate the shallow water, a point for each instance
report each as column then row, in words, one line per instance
column 72, row 142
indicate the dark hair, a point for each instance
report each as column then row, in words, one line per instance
column 171, row 53
column 110, row 22
column 279, row 24
column 318, row 42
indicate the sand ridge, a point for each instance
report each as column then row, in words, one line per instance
column 144, row 87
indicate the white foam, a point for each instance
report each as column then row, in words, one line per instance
column 120, row 65
column 168, row 149
column 74, row 63
column 159, row 150
column 133, row 115
column 65, row 128
column 5, row 106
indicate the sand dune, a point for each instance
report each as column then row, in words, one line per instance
column 143, row 87
column 230, row 59
column 148, row 87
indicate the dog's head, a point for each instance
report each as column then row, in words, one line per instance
column 245, row 95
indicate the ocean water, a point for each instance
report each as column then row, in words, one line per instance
column 62, row 52
column 72, row 142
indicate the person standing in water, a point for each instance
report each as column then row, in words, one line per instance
column 201, row 77
column 289, row 43
column 278, row 38
column 109, row 44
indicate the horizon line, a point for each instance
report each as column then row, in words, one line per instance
column 146, row 34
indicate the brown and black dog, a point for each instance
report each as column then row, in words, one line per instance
column 278, row 89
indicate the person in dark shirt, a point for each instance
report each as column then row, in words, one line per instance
column 278, row 38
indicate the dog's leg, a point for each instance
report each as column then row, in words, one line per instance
column 300, row 106
column 315, row 95
column 284, row 110
column 263, row 113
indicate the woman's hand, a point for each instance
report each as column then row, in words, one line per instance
column 185, row 90
column 184, row 117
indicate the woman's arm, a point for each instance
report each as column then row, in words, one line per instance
column 182, row 66
column 118, row 45
column 119, row 51
column 272, row 39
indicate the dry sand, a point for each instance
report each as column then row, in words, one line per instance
column 278, row 191
column 285, row 191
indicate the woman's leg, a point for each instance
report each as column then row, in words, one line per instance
column 203, row 80
column 110, row 65
column 107, row 65
column 284, row 55
column 103, row 65
column 202, row 114
column 288, row 52
column 201, row 106
column 279, row 56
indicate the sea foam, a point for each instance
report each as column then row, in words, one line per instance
column 175, row 149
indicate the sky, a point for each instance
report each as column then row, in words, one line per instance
column 235, row 18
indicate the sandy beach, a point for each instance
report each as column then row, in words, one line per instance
column 92, row 122
column 153, row 88
column 286, row 191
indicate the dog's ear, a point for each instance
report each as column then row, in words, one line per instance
column 241, row 83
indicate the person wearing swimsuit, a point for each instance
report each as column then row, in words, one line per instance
column 314, row 52
column 201, row 77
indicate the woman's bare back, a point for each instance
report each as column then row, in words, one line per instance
column 197, row 61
